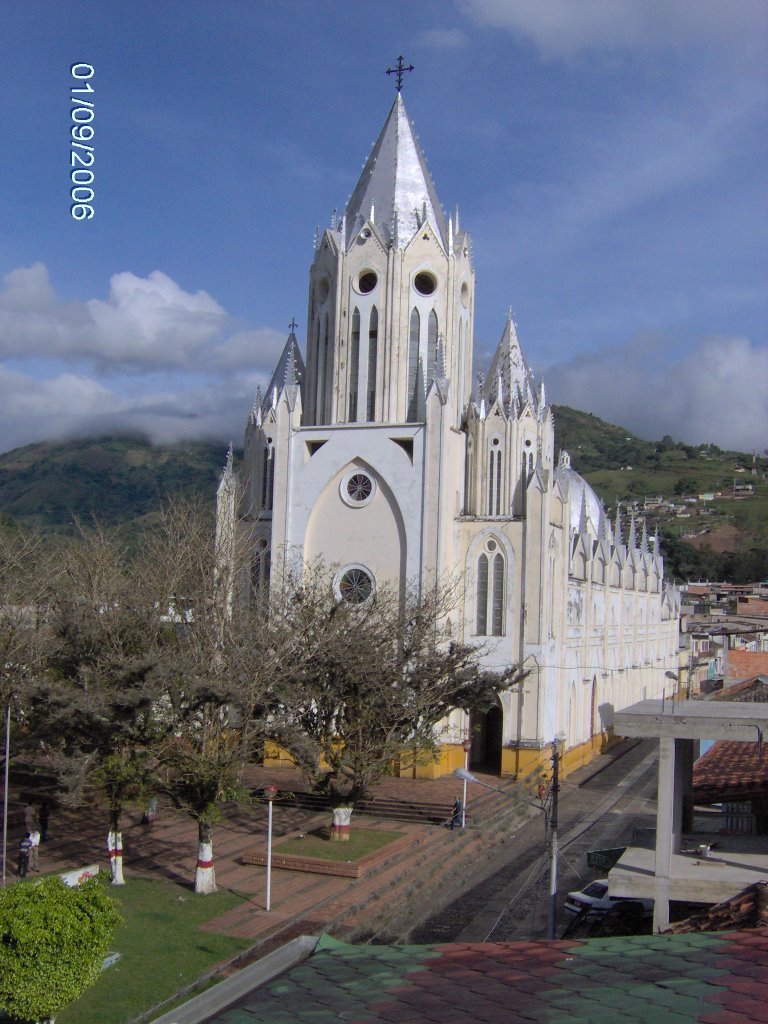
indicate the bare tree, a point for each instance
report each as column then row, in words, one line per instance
column 224, row 674
column 93, row 705
column 376, row 679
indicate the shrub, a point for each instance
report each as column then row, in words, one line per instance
column 53, row 940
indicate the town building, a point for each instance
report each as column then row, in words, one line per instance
column 381, row 456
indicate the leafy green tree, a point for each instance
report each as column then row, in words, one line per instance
column 53, row 940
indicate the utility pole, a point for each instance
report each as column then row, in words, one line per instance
column 551, row 910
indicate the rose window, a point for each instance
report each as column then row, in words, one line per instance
column 355, row 586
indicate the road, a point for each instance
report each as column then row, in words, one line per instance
column 601, row 813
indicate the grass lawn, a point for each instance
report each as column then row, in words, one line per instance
column 161, row 950
column 318, row 844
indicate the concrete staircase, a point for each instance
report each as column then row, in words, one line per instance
column 374, row 807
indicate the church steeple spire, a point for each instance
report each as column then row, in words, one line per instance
column 396, row 183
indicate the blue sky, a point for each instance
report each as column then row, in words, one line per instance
column 607, row 156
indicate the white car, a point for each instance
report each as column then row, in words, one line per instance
column 594, row 899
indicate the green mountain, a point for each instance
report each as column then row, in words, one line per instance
column 117, row 480
column 124, row 480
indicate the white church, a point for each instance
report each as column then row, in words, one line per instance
column 378, row 457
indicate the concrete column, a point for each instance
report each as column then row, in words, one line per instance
column 673, row 799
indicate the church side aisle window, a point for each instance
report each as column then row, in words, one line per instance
column 373, row 344
column 354, row 364
column 490, row 599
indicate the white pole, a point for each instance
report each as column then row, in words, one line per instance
column 269, row 855
column 5, row 788
column 464, row 800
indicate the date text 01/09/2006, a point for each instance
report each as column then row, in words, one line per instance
column 81, row 155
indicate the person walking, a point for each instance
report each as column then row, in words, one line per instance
column 456, row 813
column 24, row 847
column 34, row 850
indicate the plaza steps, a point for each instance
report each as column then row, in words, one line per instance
column 374, row 807
column 435, row 867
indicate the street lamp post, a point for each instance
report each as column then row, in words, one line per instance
column 552, row 908
column 270, row 792
column 466, row 746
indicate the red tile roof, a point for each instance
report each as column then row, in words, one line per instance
column 731, row 770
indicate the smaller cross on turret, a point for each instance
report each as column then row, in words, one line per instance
column 399, row 70
column 293, row 325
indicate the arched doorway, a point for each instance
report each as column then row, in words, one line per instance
column 486, row 730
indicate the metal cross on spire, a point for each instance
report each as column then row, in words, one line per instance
column 293, row 325
column 399, row 70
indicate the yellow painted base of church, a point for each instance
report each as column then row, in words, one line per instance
column 528, row 765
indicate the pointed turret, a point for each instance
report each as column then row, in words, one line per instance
column 510, row 366
column 255, row 416
column 289, row 371
column 644, row 540
column 396, row 185
column 618, row 539
column 583, row 513
column 228, row 479
column 632, row 542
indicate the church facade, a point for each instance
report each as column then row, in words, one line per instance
column 382, row 459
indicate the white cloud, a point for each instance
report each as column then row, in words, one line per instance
column 566, row 27
column 146, row 322
column 150, row 357
column 715, row 393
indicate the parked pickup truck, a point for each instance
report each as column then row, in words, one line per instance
column 594, row 899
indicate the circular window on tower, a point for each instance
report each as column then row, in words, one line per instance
column 366, row 281
column 357, row 488
column 425, row 283
column 354, row 584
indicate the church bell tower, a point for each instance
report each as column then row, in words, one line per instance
column 391, row 293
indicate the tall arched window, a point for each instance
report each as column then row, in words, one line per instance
column 327, row 373
column 482, row 595
column 491, row 595
column 497, row 597
column 354, row 364
column 494, row 479
column 267, row 477
column 373, row 343
column 431, row 346
column 320, row 370
column 469, row 478
column 413, row 366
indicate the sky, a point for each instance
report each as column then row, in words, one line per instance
column 608, row 158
